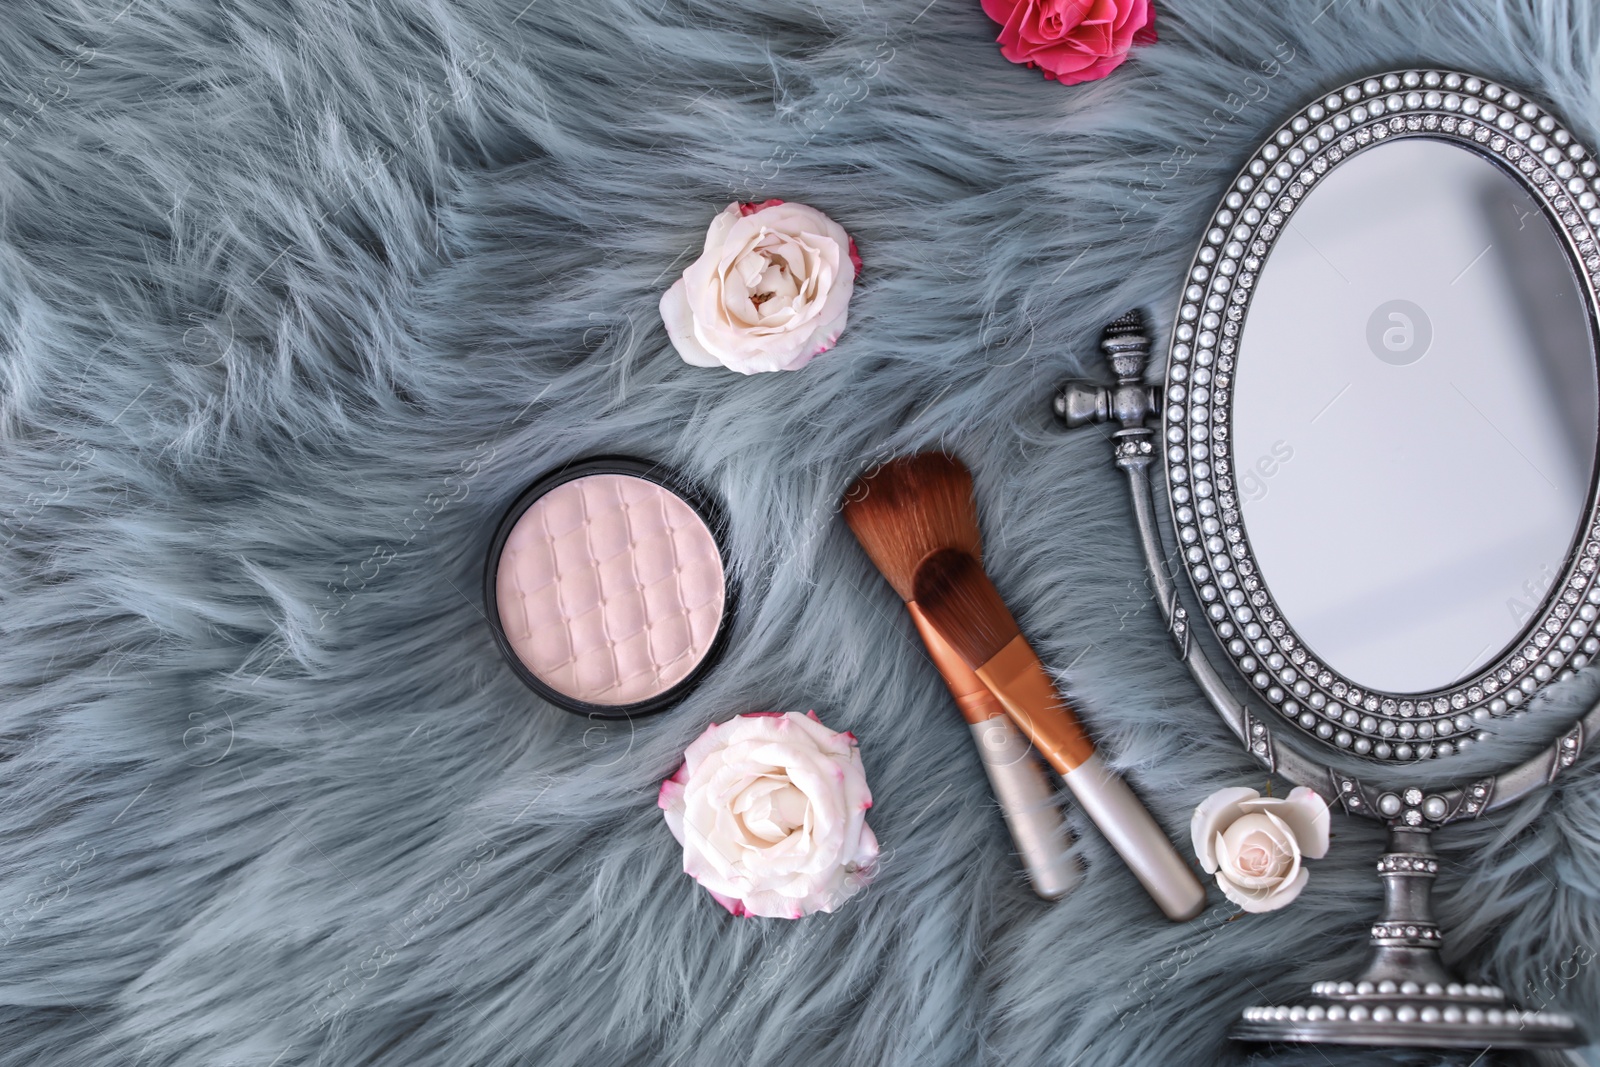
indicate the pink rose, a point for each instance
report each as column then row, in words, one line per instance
column 771, row 812
column 1072, row 41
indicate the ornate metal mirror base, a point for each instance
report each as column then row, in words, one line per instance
column 1406, row 996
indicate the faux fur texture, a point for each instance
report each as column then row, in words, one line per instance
column 295, row 296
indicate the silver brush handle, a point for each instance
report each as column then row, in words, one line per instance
column 1138, row 839
column 1028, row 802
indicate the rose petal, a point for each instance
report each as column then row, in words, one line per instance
column 735, row 907
column 1257, row 903
column 1257, row 832
column 680, row 326
column 1146, row 33
column 751, row 209
column 1307, row 813
column 1213, row 814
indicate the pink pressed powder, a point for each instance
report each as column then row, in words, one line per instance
column 610, row 589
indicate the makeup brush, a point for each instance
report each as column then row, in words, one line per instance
column 901, row 513
column 963, row 606
column 907, row 509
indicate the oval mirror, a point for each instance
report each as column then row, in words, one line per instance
column 1382, row 411
column 1379, row 423
column 1417, row 352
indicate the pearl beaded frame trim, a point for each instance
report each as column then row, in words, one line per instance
column 1448, row 1014
column 1562, row 176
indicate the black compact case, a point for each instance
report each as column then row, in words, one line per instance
column 699, row 500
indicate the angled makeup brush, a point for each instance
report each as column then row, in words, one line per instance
column 964, row 607
column 901, row 513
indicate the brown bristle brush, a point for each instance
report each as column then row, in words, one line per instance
column 963, row 606
column 901, row 513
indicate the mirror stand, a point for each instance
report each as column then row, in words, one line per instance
column 1406, row 996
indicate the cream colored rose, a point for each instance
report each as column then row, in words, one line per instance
column 1254, row 844
column 769, row 291
column 771, row 812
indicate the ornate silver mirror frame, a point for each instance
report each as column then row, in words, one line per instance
column 1406, row 996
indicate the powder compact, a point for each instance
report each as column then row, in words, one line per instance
column 608, row 587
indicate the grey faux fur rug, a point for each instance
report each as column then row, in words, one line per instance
column 294, row 296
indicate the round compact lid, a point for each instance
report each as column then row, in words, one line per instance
column 607, row 588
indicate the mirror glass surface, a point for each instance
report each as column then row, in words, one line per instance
column 1414, row 415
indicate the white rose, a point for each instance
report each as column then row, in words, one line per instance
column 769, row 291
column 1254, row 844
column 771, row 812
